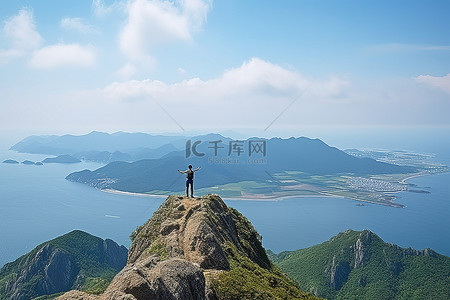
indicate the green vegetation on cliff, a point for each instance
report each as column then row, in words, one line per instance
column 360, row 265
column 251, row 274
column 247, row 280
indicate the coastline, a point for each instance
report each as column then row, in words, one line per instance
column 117, row 192
column 403, row 181
column 263, row 198
column 259, row 198
column 277, row 198
column 274, row 198
column 244, row 198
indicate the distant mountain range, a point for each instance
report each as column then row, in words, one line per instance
column 146, row 163
column 99, row 141
column 311, row 156
column 102, row 147
column 360, row 265
column 62, row 159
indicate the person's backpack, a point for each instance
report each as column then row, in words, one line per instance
column 190, row 174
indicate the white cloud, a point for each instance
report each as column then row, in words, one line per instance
column 78, row 24
column 442, row 83
column 101, row 9
column 63, row 55
column 255, row 77
column 20, row 31
column 155, row 22
column 253, row 93
column 196, row 11
column 127, row 71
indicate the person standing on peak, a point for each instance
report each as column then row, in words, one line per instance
column 189, row 179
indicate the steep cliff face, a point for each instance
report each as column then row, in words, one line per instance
column 62, row 264
column 197, row 249
column 53, row 270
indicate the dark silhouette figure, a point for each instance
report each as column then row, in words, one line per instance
column 189, row 179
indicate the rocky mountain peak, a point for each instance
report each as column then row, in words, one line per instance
column 195, row 229
column 189, row 249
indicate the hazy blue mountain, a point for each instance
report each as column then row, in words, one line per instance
column 98, row 141
column 305, row 154
column 120, row 146
column 62, row 159
column 147, row 153
column 316, row 157
column 360, row 265
column 103, row 156
column 34, row 141
column 10, row 161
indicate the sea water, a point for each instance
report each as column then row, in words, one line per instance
column 37, row 204
column 296, row 223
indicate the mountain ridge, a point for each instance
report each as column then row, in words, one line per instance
column 309, row 156
column 94, row 142
column 360, row 265
column 74, row 260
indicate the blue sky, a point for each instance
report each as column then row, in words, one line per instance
column 138, row 65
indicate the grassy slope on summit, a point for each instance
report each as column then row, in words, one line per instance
column 253, row 279
column 386, row 271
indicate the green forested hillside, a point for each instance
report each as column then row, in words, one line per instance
column 76, row 260
column 360, row 265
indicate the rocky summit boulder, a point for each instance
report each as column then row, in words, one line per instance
column 197, row 248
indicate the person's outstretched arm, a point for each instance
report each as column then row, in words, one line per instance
column 182, row 172
column 197, row 169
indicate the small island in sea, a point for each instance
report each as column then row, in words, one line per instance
column 28, row 162
column 10, row 161
column 419, row 191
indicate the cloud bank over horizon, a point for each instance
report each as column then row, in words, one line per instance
column 441, row 82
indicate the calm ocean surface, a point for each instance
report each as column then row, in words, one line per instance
column 38, row 204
